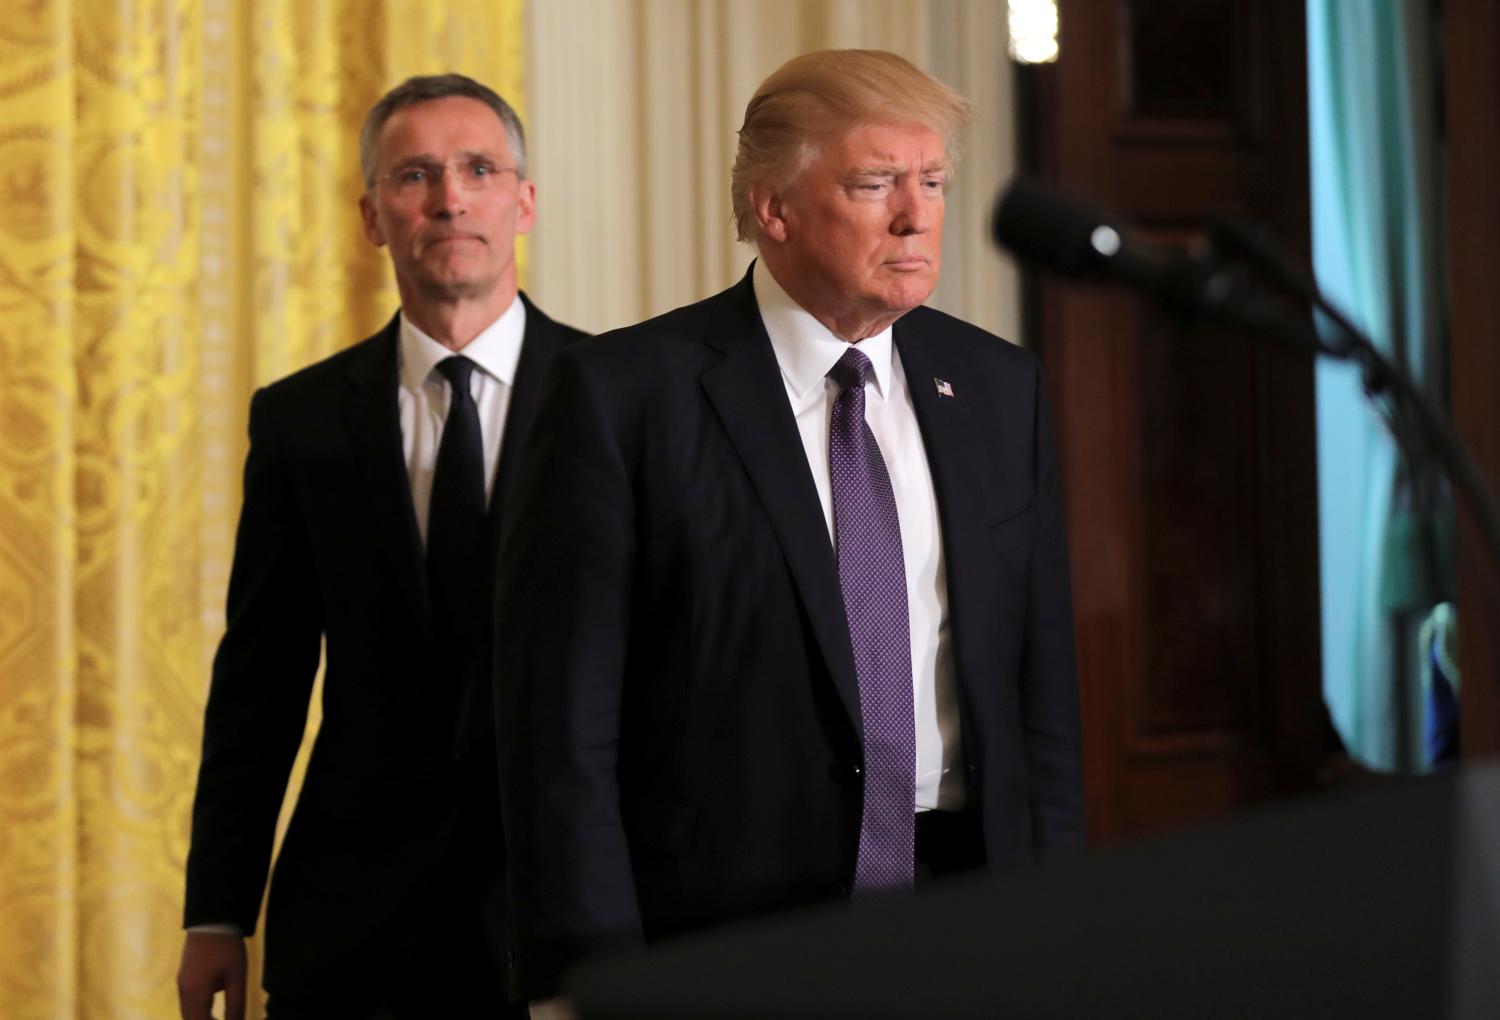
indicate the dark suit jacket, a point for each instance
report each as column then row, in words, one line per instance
column 679, row 721
column 398, row 814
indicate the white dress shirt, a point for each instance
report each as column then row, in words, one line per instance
column 806, row 350
column 422, row 398
column 422, row 401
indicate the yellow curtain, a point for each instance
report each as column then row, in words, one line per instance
column 177, row 226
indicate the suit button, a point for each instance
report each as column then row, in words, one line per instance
column 858, row 771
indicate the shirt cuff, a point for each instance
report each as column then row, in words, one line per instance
column 217, row 929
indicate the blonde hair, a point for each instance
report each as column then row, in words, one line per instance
column 812, row 98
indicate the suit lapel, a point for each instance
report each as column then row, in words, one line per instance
column 950, row 435
column 965, row 471
column 543, row 339
column 372, row 416
column 747, row 393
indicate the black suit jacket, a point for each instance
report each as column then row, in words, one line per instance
column 398, row 818
column 679, row 720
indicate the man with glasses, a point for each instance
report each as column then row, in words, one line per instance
column 374, row 489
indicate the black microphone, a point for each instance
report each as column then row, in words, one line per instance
column 1043, row 226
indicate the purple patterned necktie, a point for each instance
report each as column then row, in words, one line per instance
column 872, row 575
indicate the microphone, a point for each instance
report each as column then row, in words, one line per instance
column 1045, row 227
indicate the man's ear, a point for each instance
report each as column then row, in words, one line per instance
column 770, row 216
column 525, row 205
column 367, row 217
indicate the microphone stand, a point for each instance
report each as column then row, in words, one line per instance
column 1419, row 426
column 1423, row 432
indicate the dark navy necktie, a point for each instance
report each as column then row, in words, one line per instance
column 872, row 574
column 455, row 517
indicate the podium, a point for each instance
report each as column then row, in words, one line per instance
column 1383, row 903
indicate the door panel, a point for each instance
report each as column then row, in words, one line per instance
column 1187, row 453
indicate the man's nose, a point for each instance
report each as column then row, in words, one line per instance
column 446, row 195
column 914, row 209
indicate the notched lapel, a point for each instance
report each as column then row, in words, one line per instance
column 372, row 417
column 965, row 475
column 543, row 339
column 746, row 392
column 962, row 463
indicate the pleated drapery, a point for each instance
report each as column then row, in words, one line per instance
column 177, row 226
column 1385, row 527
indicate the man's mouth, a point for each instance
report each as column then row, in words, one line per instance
column 454, row 237
column 907, row 263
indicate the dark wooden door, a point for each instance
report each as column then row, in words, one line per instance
column 1187, row 454
column 1472, row 73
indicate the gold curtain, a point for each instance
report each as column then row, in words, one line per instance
column 177, row 226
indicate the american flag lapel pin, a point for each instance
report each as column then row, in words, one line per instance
column 944, row 387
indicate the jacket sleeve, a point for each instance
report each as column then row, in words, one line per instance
column 1049, row 672
column 563, row 616
column 257, row 702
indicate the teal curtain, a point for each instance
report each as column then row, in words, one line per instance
column 1385, row 529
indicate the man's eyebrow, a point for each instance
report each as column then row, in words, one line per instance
column 466, row 156
column 896, row 170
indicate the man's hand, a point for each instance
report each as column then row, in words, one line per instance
column 211, row 963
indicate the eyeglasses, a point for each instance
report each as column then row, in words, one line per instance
column 473, row 175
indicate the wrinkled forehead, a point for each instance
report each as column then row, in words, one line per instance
column 885, row 147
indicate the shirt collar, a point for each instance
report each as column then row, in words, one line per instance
column 805, row 348
column 496, row 350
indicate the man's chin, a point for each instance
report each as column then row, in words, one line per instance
column 452, row 288
column 909, row 294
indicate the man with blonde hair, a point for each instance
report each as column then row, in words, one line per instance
column 785, row 615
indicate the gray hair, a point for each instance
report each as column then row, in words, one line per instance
column 425, row 88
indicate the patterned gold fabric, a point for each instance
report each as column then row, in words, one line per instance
column 177, row 226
